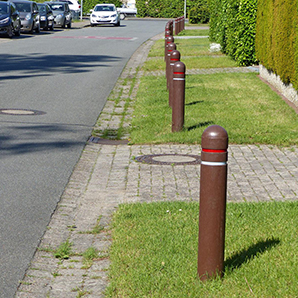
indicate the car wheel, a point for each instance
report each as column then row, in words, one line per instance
column 69, row 25
column 10, row 32
column 117, row 24
column 64, row 23
column 122, row 16
column 37, row 30
column 18, row 31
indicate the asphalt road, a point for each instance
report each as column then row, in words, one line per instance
column 56, row 83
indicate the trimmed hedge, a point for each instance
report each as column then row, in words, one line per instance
column 276, row 38
column 197, row 10
column 233, row 26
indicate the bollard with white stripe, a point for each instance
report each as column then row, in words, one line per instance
column 213, row 194
column 171, row 48
column 167, row 34
column 174, row 57
column 178, row 98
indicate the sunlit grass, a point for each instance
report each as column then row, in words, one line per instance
column 241, row 103
column 154, row 251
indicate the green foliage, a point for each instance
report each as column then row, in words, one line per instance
column 197, row 10
column 276, row 38
column 64, row 250
column 89, row 4
column 232, row 25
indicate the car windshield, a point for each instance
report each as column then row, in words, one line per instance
column 104, row 8
column 57, row 7
column 23, row 7
column 42, row 8
column 4, row 8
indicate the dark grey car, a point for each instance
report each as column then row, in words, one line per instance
column 62, row 14
column 46, row 16
column 29, row 15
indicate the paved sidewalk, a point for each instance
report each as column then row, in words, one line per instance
column 108, row 174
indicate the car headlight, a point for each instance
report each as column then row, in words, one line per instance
column 28, row 17
column 42, row 18
column 93, row 15
column 4, row 21
column 50, row 18
column 113, row 16
column 59, row 16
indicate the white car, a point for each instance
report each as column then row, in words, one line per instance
column 104, row 14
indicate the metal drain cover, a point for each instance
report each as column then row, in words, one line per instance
column 169, row 159
column 20, row 112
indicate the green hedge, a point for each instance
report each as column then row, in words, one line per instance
column 197, row 10
column 233, row 26
column 276, row 38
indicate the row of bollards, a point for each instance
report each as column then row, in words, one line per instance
column 179, row 24
column 214, row 156
column 175, row 76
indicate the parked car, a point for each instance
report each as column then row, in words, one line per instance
column 62, row 14
column 104, row 14
column 46, row 16
column 73, row 5
column 10, row 22
column 126, row 11
column 29, row 15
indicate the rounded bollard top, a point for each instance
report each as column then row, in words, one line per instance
column 215, row 137
column 171, row 47
column 175, row 55
column 170, row 39
column 179, row 67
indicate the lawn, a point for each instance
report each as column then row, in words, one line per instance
column 154, row 251
column 241, row 103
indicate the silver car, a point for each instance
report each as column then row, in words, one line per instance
column 62, row 14
column 29, row 15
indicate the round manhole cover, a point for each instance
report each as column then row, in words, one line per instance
column 169, row 159
column 20, row 112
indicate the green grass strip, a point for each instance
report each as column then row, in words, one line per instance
column 154, row 251
column 241, row 103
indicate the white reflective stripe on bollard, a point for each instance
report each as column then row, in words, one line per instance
column 213, row 163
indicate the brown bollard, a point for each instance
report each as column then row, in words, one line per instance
column 178, row 96
column 167, row 34
column 176, row 26
column 171, row 48
column 171, row 26
column 180, row 24
column 174, row 57
column 213, row 194
column 170, row 39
